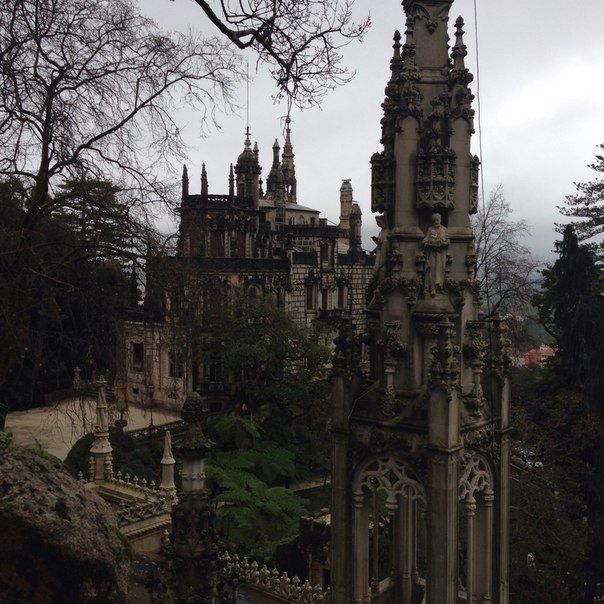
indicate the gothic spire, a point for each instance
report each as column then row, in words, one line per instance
column 231, row 182
column 459, row 52
column 204, row 181
column 287, row 159
column 185, row 181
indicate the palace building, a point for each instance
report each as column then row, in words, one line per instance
column 256, row 239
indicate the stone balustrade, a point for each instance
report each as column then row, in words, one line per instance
column 273, row 583
column 133, row 483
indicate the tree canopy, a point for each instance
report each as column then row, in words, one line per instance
column 586, row 207
column 300, row 41
column 571, row 307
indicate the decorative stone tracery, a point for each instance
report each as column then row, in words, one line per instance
column 405, row 501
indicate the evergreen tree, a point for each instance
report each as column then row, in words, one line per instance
column 586, row 207
column 571, row 308
column 80, row 254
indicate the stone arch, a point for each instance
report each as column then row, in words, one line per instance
column 476, row 476
column 476, row 495
column 393, row 475
column 405, row 496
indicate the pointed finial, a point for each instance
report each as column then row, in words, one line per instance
column 204, row 181
column 459, row 51
column 185, row 181
column 256, row 150
column 276, row 149
column 397, row 45
column 231, row 182
column 248, row 142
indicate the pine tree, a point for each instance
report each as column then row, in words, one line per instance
column 587, row 205
column 571, row 308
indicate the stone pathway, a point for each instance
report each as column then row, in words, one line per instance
column 58, row 427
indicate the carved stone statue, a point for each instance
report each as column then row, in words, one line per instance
column 435, row 245
column 381, row 253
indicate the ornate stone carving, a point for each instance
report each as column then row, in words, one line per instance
column 473, row 350
column 444, row 369
column 390, row 474
column 435, row 167
column 480, row 438
column 346, row 357
column 382, row 182
column 395, row 348
column 435, row 244
column 381, row 253
column 474, row 175
column 499, row 360
column 377, row 290
column 476, row 476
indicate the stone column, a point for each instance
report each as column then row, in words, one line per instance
column 488, row 546
column 406, row 518
column 503, row 515
column 101, row 450
column 343, row 389
column 414, row 536
column 194, row 547
column 361, row 550
column 470, row 513
column 375, row 543
column 441, row 580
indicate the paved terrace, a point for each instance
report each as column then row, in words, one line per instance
column 57, row 427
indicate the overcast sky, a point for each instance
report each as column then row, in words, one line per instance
column 542, row 96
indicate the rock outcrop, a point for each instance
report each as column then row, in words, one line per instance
column 58, row 540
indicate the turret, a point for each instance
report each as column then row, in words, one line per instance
column 354, row 240
column 287, row 163
column 345, row 204
column 248, row 172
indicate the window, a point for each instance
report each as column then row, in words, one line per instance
column 324, row 252
column 216, row 245
column 341, row 296
column 292, row 220
column 324, row 299
column 213, row 371
column 138, row 356
column 310, row 303
column 176, row 367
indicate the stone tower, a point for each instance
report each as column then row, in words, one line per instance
column 345, row 204
column 420, row 442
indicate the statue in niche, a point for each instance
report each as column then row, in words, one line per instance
column 435, row 245
column 381, row 253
